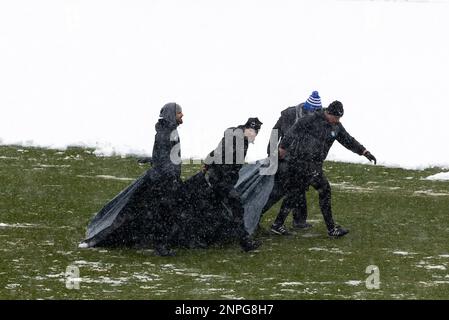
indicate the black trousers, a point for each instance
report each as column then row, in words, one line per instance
column 279, row 191
column 301, row 175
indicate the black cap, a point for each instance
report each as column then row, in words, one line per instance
column 335, row 108
column 253, row 123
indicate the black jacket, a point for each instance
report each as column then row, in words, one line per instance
column 135, row 214
column 167, row 142
column 310, row 139
column 222, row 173
column 287, row 119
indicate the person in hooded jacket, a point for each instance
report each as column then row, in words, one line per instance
column 305, row 147
column 143, row 212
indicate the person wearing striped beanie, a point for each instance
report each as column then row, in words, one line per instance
column 287, row 119
column 313, row 103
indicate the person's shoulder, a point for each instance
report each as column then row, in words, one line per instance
column 318, row 114
column 340, row 126
column 232, row 129
column 161, row 124
column 164, row 126
column 289, row 111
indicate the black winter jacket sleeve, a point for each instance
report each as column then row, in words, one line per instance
column 348, row 141
column 284, row 123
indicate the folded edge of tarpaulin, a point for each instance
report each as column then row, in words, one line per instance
column 254, row 190
column 106, row 220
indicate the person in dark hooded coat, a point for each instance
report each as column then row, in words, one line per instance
column 142, row 213
column 166, row 180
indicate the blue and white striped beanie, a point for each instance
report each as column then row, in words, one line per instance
column 314, row 102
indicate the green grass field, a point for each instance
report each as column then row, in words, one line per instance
column 398, row 221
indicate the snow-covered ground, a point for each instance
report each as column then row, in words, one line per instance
column 439, row 176
column 97, row 72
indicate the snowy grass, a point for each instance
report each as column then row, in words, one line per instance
column 396, row 222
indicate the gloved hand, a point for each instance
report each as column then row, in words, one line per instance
column 264, row 162
column 370, row 157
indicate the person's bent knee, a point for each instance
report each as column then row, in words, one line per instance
column 323, row 188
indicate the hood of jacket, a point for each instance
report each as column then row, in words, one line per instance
column 168, row 115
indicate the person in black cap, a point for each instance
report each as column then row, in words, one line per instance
column 287, row 119
column 304, row 148
column 221, row 171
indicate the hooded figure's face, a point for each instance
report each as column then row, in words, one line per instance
column 331, row 118
column 179, row 116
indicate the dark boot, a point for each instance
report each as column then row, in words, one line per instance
column 163, row 250
column 337, row 231
column 280, row 230
column 249, row 245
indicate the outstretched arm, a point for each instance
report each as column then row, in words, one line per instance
column 352, row 144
